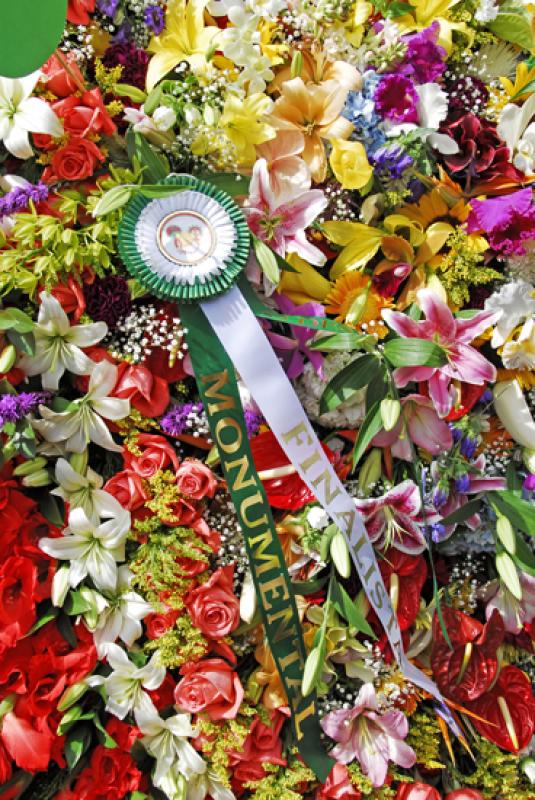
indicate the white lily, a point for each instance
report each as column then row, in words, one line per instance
column 93, row 550
column 83, row 423
column 21, row 114
column 121, row 614
column 58, row 343
column 125, row 684
column 84, row 491
column 514, row 413
column 198, row 786
column 518, row 134
column 167, row 742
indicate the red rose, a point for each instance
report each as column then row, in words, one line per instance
column 210, row 686
column 192, row 566
column 464, row 794
column 78, row 11
column 84, row 115
column 71, row 298
column 148, row 393
column 162, row 697
column 158, row 624
column 417, row 791
column 74, row 162
column 156, row 454
column 467, row 671
column 111, row 774
column 124, row 735
column 508, row 711
column 263, row 744
column 338, row 786
column 195, row 480
column 214, row 608
column 58, row 80
column 127, row 487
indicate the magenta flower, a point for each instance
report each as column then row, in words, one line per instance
column 282, row 225
column 291, row 351
column 393, row 519
column 464, row 363
column 371, row 737
column 419, row 423
column 396, row 99
column 508, row 221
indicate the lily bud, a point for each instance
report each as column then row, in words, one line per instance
column 370, row 472
column 528, row 457
column 91, row 615
column 312, row 671
column 248, row 602
column 254, row 690
column 30, row 466
column 60, row 586
column 513, row 411
column 506, row 534
column 7, row 358
column 390, row 411
column 37, row 479
column 527, row 765
column 78, row 462
column 297, row 64
column 340, row 554
column 71, row 695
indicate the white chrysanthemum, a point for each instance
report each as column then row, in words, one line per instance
column 310, row 387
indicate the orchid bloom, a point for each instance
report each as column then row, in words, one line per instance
column 464, row 363
column 419, row 423
column 93, row 550
column 280, row 221
column 58, row 343
column 373, row 738
column 21, row 114
column 291, row 350
column 83, row 423
column 393, row 519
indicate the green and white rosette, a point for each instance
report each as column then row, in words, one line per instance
column 187, row 246
column 191, row 247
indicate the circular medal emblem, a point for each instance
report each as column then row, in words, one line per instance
column 187, row 246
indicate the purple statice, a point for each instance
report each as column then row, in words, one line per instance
column 425, row 58
column 15, row 407
column 253, row 420
column 180, row 417
column 132, row 59
column 19, row 198
column 108, row 7
column 154, row 19
column 108, row 300
column 396, row 99
column 390, row 163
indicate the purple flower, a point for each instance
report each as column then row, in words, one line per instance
column 508, row 221
column 391, row 162
column 462, row 484
column 253, row 420
column 14, row 407
column 440, row 497
column 108, row 300
column 107, row 7
column 373, row 738
column 19, row 198
column 529, row 483
column 154, row 19
column 179, row 418
column 132, row 59
column 292, row 350
column 468, row 447
column 425, row 59
column 396, row 99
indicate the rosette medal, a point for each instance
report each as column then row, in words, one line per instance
column 191, row 247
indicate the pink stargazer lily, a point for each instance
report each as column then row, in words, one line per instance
column 373, row 738
column 393, row 519
column 419, row 423
column 464, row 363
column 281, row 221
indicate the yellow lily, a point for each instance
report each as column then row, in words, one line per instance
column 355, row 26
column 184, row 38
column 519, row 89
column 424, row 14
column 244, row 123
column 305, row 284
column 360, row 242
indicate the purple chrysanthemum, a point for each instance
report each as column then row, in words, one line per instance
column 396, row 99
column 154, row 19
column 108, row 7
column 108, row 300
column 19, row 198
column 391, row 162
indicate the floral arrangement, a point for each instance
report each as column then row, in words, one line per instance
column 382, row 155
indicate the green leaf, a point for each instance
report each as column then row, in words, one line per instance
column 513, row 28
column 16, row 319
column 398, row 9
column 523, row 556
column 104, row 736
column 125, row 90
column 75, row 604
column 24, row 342
column 305, row 588
column 352, row 340
column 462, row 513
column 77, row 743
column 113, row 199
column 67, row 631
column 378, row 388
column 514, row 481
column 520, row 513
column 506, row 534
column 267, row 261
column 71, row 717
column 229, row 182
column 353, row 377
column 414, row 353
column 158, row 189
column 156, row 165
column 369, row 428
column 509, row 574
column 43, row 620
column 51, row 508
column 349, row 610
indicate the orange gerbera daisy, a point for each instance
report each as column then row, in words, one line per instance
column 354, row 300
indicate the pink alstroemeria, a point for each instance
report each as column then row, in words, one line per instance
column 281, row 221
column 393, row 519
column 464, row 363
column 419, row 423
column 373, row 738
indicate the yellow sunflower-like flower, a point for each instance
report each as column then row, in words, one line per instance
column 354, row 300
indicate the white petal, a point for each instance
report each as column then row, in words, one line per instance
column 103, row 379
column 432, row 105
column 76, row 361
column 36, row 116
column 51, row 310
column 443, row 143
column 99, row 433
column 17, row 142
column 87, row 335
column 67, row 477
column 111, row 407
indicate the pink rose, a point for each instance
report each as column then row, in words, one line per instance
column 158, row 624
column 417, row 791
column 338, row 786
column 195, row 480
column 210, row 686
column 213, row 607
column 127, row 488
column 156, row 454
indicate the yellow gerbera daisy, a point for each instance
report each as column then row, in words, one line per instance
column 355, row 301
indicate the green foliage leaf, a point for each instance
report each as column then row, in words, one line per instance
column 523, row 556
column 369, row 428
column 24, row 342
column 347, row 609
column 75, row 604
column 462, row 513
column 158, row 189
column 156, row 166
column 414, row 353
column 77, row 743
column 520, row 513
column 353, row 377
column 16, row 319
column 514, row 28
column 115, row 198
column 304, row 588
column 352, row 340
column 104, row 736
column 51, row 508
column 377, row 388
column 44, row 618
column 267, row 260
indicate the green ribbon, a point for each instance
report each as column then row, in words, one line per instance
column 215, row 376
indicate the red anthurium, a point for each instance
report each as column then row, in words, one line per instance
column 467, row 671
column 285, row 489
column 403, row 575
column 508, row 710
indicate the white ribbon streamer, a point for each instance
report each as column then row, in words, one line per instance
column 249, row 349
